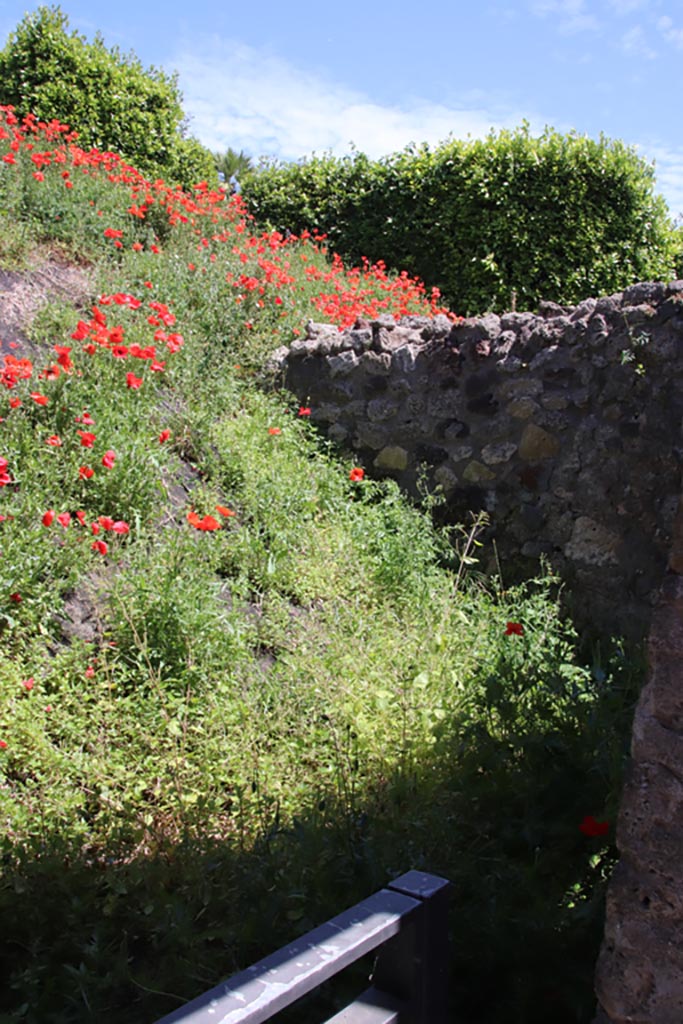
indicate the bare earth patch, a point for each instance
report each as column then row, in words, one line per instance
column 24, row 292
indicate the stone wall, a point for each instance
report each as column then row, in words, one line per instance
column 564, row 425
column 639, row 978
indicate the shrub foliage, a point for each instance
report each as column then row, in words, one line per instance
column 108, row 97
column 554, row 217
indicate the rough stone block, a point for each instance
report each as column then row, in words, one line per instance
column 492, row 454
column 592, row 543
column 537, row 444
column 392, row 458
column 477, row 473
column 522, row 408
column 381, row 409
column 343, row 364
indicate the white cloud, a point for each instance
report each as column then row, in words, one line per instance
column 622, row 7
column 668, row 174
column 568, row 16
column 240, row 97
column 634, row 44
column 252, row 100
column 670, row 32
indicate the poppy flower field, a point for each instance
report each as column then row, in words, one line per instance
column 243, row 683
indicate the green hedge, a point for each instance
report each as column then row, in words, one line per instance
column 107, row 97
column 555, row 217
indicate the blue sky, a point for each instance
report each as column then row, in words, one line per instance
column 289, row 79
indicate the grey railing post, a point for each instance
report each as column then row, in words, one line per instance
column 407, row 921
column 413, row 966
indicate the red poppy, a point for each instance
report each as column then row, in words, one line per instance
column 121, row 527
column 106, row 522
column 164, row 436
column 274, row 430
column 100, row 546
column 590, row 827
column 14, row 403
column 514, row 629
column 87, row 439
column 224, row 511
column 63, row 357
column 174, row 342
column 28, row 684
column 80, row 515
column 206, row 523
column 39, row 399
column 81, row 331
column 133, row 382
column 64, row 518
column 48, row 517
column 3, row 745
column 108, row 459
column 304, row 410
column 16, row 598
column 54, row 441
column 356, row 474
column 85, row 472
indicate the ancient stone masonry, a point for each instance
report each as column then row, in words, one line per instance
column 639, row 978
column 564, row 425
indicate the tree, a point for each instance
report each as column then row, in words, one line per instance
column 231, row 162
column 108, row 97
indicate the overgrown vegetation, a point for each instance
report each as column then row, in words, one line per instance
column 511, row 218
column 106, row 96
column 242, row 684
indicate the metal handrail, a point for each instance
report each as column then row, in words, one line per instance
column 407, row 922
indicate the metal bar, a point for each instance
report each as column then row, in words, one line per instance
column 372, row 1007
column 414, row 965
column 258, row 993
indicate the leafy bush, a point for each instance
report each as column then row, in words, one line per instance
column 557, row 217
column 107, row 97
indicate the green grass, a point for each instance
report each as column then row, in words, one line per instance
column 264, row 722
